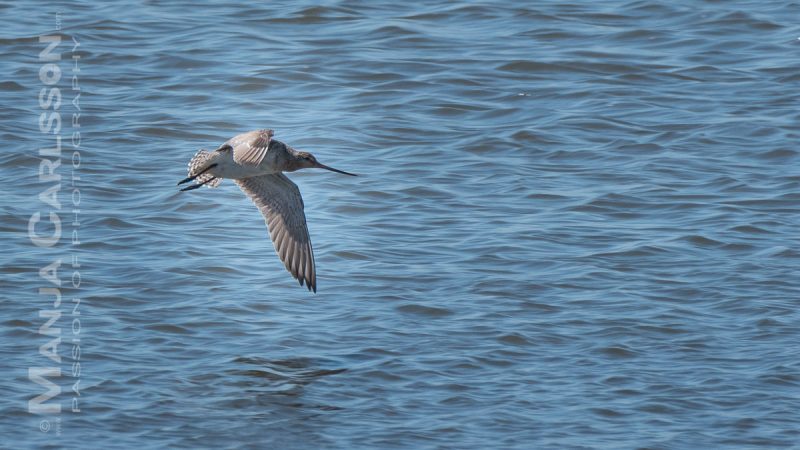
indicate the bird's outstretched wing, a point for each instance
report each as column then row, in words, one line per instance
column 282, row 206
column 249, row 148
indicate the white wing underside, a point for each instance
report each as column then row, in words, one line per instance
column 282, row 206
column 251, row 147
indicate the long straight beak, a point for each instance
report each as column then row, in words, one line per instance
column 323, row 166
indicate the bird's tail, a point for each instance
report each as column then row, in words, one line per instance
column 200, row 161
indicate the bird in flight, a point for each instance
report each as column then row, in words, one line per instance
column 256, row 162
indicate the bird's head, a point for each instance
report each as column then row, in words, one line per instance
column 305, row 160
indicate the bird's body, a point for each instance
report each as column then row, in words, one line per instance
column 229, row 168
column 256, row 163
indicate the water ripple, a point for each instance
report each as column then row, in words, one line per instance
column 575, row 226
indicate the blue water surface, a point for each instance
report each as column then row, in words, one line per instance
column 575, row 226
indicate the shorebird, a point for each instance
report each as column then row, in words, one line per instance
column 256, row 162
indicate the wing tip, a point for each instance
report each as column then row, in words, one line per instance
column 310, row 284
